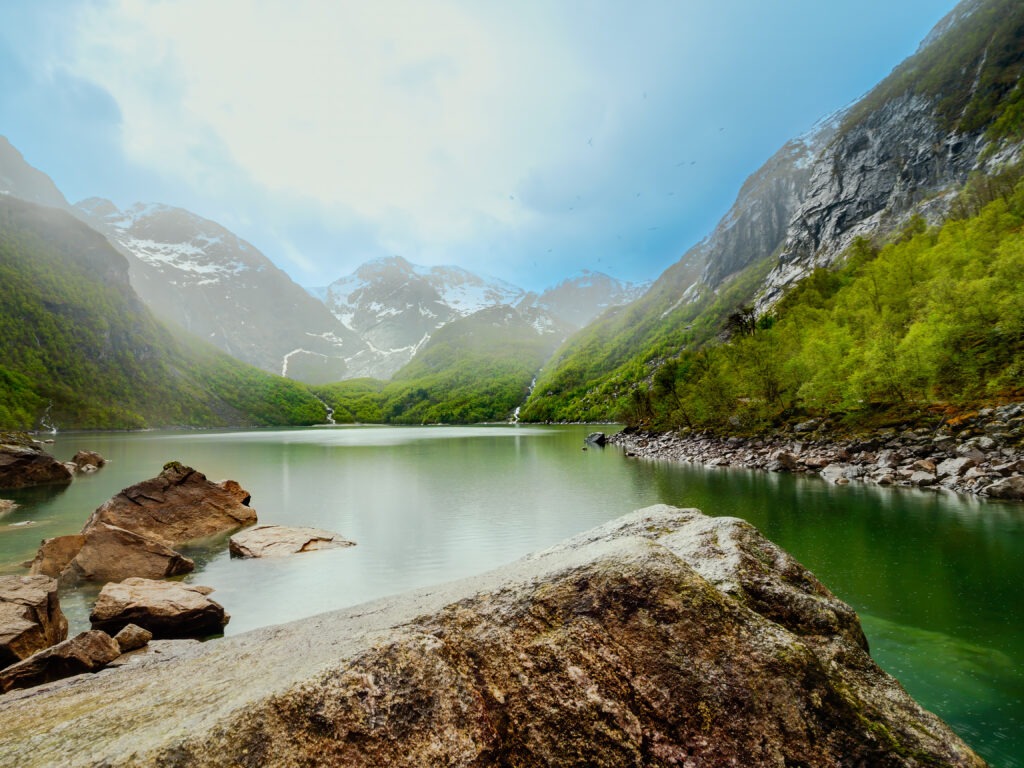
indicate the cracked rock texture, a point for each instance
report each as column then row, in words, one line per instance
column 662, row 638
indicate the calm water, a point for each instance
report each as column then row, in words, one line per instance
column 937, row 580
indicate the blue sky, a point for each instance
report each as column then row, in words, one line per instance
column 525, row 140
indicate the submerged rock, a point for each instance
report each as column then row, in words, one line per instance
column 86, row 652
column 24, row 464
column 88, row 461
column 7, row 506
column 663, row 638
column 166, row 609
column 30, row 617
column 280, row 541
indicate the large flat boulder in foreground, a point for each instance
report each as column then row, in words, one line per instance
column 663, row 638
column 23, row 463
column 30, row 617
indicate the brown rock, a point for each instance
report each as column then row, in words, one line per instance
column 23, row 463
column 110, row 553
column 55, row 555
column 647, row 642
column 84, row 459
column 168, row 609
column 7, row 506
column 280, row 541
column 132, row 637
column 87, row 652
column 177, row 506
column 30, row 617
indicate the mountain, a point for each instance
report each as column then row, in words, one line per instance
column 474, row 368
column 21, row 180
column 953, row 109
column 78, row 348
column 396, row 306
column 578, row 299
column 200, row 276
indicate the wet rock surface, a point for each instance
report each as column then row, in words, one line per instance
column 23, row 463
column 88, row 461
column 30, row 617
column 165, row 609
column 662, row 638
column 281, row 541
column 981, row 454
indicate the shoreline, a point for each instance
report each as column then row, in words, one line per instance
column 981, row 455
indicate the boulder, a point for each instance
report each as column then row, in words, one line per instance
column 954, row 467
column 1008, row 488
column 55, row 555
column 167, row 609
column 88, row 461
column 30, row 617
column 7, row 506
column 110, row 553
column 836, row 473
column 663, row 638
column 24, row 464
column 782, row 461
column 922, row 479
column 177, row 506
column 597, row 438
column 132, row 637
column 279, row 541
column 87, row 652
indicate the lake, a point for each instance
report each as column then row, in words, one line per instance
column 936, row 578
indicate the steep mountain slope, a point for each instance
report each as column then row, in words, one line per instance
column 474, row 368
column 19, row 179
column 197, row 274
column 953, row 108
column 78, row 349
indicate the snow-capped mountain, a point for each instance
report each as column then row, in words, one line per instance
column 396, row 306
column 579, row 299
column 201, row 276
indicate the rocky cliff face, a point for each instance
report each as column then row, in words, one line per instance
column 663, row 638
column 580, row 298
column 21, row 180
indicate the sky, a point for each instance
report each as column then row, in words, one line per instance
column 524, row 140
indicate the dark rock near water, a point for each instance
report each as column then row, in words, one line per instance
column 281, row 541
column 87, row 652
column 663, row 638
column 964, row 463
column 597, row 438
column 23, row 463
column 110, row 553
column 30, row 617
column 167, row 609
column 88, row 461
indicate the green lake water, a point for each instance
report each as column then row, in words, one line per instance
column 938, row 580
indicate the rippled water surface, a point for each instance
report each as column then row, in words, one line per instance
column 937, row 579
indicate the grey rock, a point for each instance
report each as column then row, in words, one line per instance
column 661, row 637
column 1007, row 488
column 921, row 478
column 281, row 541
column 954, row 467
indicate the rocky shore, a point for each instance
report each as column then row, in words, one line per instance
column 663, row 638
column 980, row 453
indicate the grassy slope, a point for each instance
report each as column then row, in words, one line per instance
column 475, row 369
column 74, row 338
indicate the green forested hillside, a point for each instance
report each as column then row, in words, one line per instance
column 475, row 369
column 936, row 317
column 78, row 348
